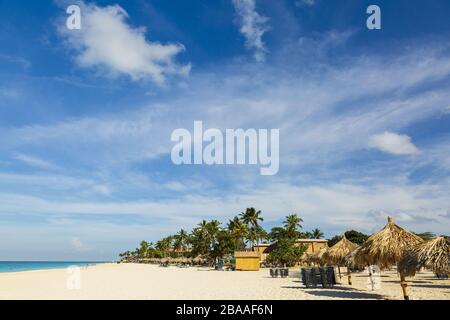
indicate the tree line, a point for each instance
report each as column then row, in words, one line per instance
column 212, row 240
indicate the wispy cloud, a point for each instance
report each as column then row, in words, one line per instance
column 253, row 26
column 393, row 143
column 107, row 43
column 35, row 162
column 327, row 113
column 307, row 3
column 334, row 207
column 24, row 63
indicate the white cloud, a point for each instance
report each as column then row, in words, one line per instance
column 24, row 63
column 34, row 161
column 447, row 110
column 325, row 114
column 333, row 207
column 393, row 143
column 253, row 26
column 102, row 189
column 8, row 93
column 108, row 43
column 51, row 182
column 308, row 3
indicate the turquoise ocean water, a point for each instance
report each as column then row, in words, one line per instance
column 16, row 266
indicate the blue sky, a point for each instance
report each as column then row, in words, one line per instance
column 86, row 118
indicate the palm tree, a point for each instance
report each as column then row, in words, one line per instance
column 143, row 249
column 234, row 223
column 292, row 224
column 260, row 234
column 251, row 217
column 202, row 228
column 181, row 240
column 238, row 231
column 213, row 227
column 204, row 237
column 277, row 233
column 316, row 234
column 164, row 245
column 125, row 255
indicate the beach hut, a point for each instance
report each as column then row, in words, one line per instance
column 433, row 255
column 247, row 260
column 386, row 248
column 337, row 253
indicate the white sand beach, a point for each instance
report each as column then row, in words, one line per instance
column 139, row 281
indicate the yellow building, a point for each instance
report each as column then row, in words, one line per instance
column 313, row 245
column 247, row 260
column 263, row 250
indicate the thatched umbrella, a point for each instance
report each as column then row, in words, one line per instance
column 350, row 261
column 386, row 248
column 337, row 253
column 184, row 260
column 433, row 254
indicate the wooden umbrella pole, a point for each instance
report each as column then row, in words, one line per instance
column 349, row 276
column 339, row 270
column 404, row 285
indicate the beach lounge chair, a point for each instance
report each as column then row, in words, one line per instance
column 327, row 277
column 274, row 273
column 309, row 278
column 441, row 276
column 284, row 273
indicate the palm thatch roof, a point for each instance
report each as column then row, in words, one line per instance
column 337, row 253
column 386, row 247
column 349, row 259
column 433, row 254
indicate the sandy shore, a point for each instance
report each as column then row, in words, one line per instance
column 133, row 281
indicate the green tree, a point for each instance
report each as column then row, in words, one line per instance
column 256, row 234
column 251, row 217
column 237, row 232
column 205, row 238
column 356, row 236
column 143, row 250
column 292, row 226
column 277, row 233
column 286, row 252
column 199, row 239
column 426, row 236
column 316, row 234
column 165, row 245
column 223, row 245
column 181, row 241
column 334, row 240
column 125, row 255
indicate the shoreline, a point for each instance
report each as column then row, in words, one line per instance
column 112, row 281
column 68, row 264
